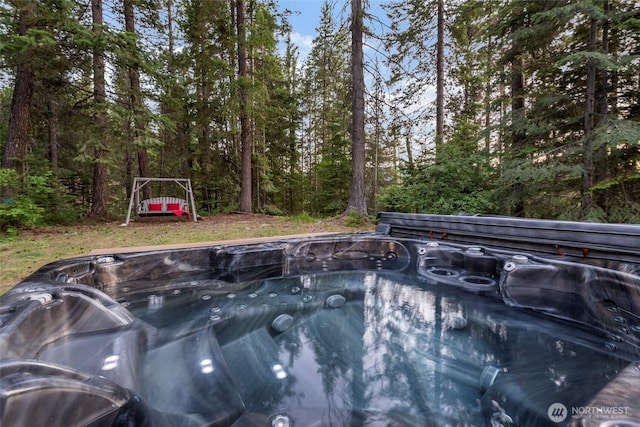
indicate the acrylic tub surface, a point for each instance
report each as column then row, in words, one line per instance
column 365, row 329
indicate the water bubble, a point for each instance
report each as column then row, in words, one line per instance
column 242, row 307
column 307, row 298
column 205, row 297
column 273, row 294
column 214, row 317
column 175, row 292
column 231, row 295
column 215, row 309
column 295, row 290
column 253, row 295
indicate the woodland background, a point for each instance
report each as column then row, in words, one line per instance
column 524, row 108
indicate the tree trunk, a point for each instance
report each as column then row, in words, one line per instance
column 589, row 122
column 440, row 79
column 52, row 115
column 357, row 197
column 100, row 183
column 377, row 138
column 245, row 140
column 488, row 91
column 15, row 148
column 601, row 167
column 136, row 102
column 517, row 136
column 168, row 138
column 407, row 142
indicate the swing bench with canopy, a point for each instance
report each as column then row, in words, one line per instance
column 164, row 205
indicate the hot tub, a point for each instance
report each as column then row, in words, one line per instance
column 430, row 320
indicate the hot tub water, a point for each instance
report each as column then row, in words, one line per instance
column 340, row 348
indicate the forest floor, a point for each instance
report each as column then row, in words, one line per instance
column 31, row 249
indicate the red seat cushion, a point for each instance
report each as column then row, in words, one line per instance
column 173, row 206
column 155, row 206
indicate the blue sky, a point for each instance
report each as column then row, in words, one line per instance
column 306, row 18
column 304, row 21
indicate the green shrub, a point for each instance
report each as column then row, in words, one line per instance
column 355, row 219
column 21, row 208
column 396, row 198
column 270, row 209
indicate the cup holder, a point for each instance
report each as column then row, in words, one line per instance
column 460, row 278
column 477, row 283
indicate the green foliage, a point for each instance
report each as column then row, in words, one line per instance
column 302, row 218
column 396, row 197
column 355, row 219
column 269, row 209
column 22, row 209
column 459, row 180
column 625, row 211
column 326, row 119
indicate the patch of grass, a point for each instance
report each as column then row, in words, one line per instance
column 355, row 219
column 303, row 218
column 24, row 253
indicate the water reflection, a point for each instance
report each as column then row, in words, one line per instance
column 354, row 348
column 404, row 350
